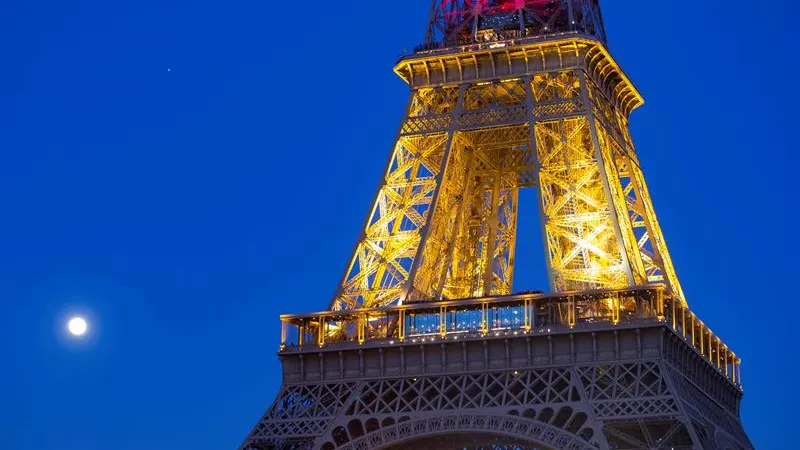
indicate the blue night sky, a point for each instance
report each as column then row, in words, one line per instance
column 181, row 172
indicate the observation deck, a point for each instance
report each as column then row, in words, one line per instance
column 511, row 316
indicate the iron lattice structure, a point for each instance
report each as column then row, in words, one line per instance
column 424, row 343
column 459, row 22
column 482, row 124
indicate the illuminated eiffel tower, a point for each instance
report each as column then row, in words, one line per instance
column 424, row 344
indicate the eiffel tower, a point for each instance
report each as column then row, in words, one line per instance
column 425, row 344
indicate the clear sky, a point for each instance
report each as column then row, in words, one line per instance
column 181, row 172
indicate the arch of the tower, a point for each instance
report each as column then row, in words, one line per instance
column 515, row 430
column 469, row 441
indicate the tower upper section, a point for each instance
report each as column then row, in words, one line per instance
column 464, row 22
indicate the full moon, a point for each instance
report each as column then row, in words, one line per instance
column 77, row 326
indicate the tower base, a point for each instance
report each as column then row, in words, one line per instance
column 597, row 386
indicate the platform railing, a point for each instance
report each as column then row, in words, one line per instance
column 475, row 46
column 511, row 315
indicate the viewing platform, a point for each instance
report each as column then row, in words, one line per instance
column 509, row 316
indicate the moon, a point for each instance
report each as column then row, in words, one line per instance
column 77, row 326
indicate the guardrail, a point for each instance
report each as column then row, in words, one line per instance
column 503, row 316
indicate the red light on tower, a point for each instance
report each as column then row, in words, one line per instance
column 458, row 22
column 476, row 7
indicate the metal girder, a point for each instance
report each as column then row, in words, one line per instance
column 634, row 387
column 460, row 22
column 443, row 224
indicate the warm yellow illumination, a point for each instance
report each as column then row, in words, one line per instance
column 443, row 223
